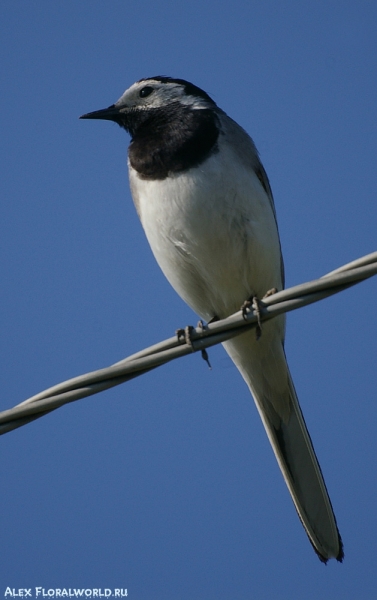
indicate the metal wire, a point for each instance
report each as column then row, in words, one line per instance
column 200, row 338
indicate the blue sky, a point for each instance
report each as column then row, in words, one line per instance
column 167, row 485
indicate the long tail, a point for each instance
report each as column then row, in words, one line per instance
column 264, row 368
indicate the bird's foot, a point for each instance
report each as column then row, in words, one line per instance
column 255, row 304
column 204, row 352
column 270, row 292
column 186, row 335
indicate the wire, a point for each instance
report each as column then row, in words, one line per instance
column 200, row 338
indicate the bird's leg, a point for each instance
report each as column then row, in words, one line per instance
column 204, row 351
column 185, row 334
column 255, row 304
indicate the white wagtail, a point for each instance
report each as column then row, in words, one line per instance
column 206, row 206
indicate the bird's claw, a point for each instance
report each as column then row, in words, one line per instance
column 245, row 308
column 204, row 352
column 205, row 357
column 185, row 334
column 270, row 292
column 255, row 304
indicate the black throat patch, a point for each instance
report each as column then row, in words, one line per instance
column 170, row 139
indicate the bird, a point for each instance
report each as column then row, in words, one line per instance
column 205, row 203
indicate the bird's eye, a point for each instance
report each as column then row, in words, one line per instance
column 145, row 91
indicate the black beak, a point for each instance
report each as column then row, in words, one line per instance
column 107, row 114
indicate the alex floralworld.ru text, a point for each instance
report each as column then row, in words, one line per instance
column 65, row 593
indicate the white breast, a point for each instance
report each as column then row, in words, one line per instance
column 213, row 232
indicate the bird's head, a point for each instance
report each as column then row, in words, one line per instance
column 150, row 95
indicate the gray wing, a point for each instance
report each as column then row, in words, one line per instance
column 248, row 154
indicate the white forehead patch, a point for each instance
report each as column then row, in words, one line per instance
column 163, row 94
